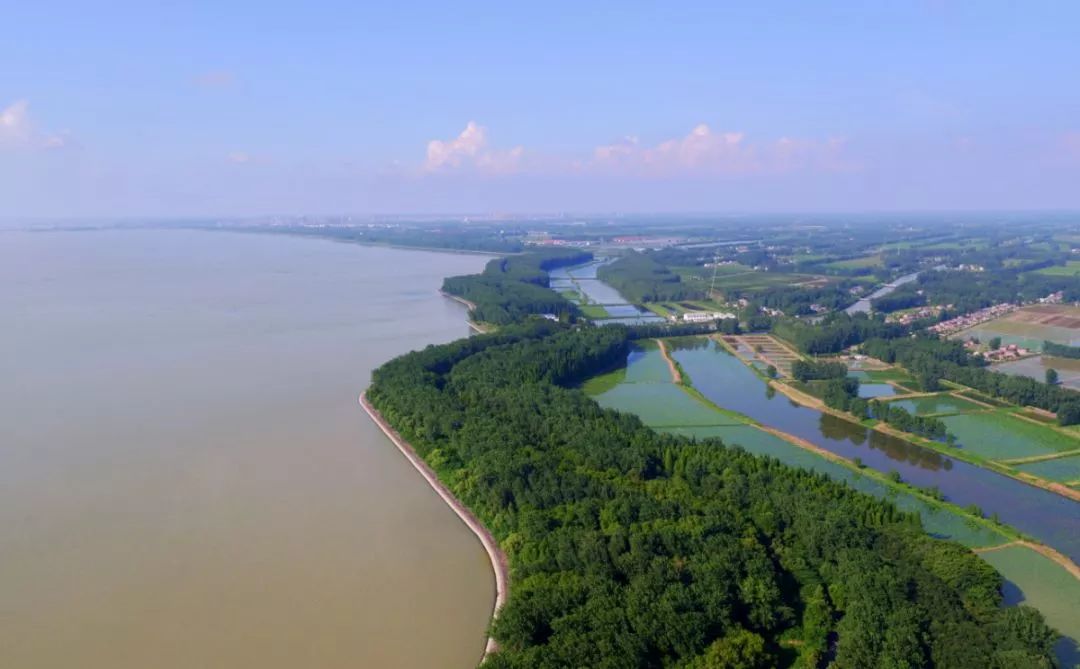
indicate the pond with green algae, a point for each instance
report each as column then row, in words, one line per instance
column 999, row 436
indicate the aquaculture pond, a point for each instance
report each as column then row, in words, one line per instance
column 1064, row 470
column 725, row 380
column 937, row 404
column 870, row 390
column 998, row 436
column 1035, row 580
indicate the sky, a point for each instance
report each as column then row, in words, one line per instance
column 181, row 109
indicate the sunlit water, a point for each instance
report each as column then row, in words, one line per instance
column 186, row 479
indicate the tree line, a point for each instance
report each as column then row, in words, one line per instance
column 837, row 331
column 931, row 359
column 1061, row 350
column 640, row 278
column 630, row 548
column 512, row 288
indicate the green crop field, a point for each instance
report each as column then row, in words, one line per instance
column 999, row 436
column 594, row 311
column 760, row 280
column 855, row 263
column 1071, row 268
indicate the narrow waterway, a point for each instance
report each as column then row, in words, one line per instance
column 582, row 280
column 186, row 479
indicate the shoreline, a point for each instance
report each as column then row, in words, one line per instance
column 499, row 563
column 476, row 327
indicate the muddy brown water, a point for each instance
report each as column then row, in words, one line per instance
column 186, row 479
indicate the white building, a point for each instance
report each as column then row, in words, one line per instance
column 702, row 316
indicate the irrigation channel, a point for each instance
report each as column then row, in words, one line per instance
column 581, row 279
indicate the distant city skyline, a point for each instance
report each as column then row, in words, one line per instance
column 206, row 110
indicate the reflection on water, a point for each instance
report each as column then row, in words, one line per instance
column 726, row 381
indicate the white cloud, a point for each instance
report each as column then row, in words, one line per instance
column 470, row 150
column 239, row 157
column 15, row 123
column 705, row 152
column 18, row 131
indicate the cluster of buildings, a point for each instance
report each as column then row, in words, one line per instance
column 1008, row 352
column 974, row 318
column 908, row 317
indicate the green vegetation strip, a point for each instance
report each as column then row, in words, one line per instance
column 632, row 548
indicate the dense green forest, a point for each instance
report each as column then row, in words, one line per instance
column 931, row 359
column 514, row 287
column 630, row 548
column 640, row 278
column 837, row 331
column 811, row 370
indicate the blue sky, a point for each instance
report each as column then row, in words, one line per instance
column 182, row 109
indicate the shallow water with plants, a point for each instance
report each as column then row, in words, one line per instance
column 997, row 436
column 937, row 404
column 1063, row 470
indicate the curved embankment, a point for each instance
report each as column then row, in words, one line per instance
column 499, row 563
column 471, row 306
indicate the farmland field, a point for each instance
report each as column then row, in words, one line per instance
column 1030, row 326
column 1071, row 268
column 997, row 436
column 1063, row 470
column 937, row 404
column 855, row 263
column 759, row 280
column 594, row 311
column 1035, row 580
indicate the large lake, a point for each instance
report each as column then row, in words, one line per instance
column 186, row 479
